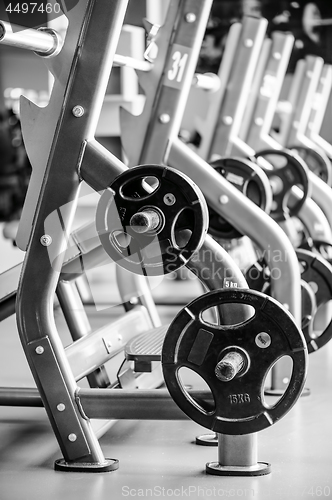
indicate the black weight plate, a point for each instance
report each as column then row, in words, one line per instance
column 248, row 178
column 317, row 161
column 318, row 274
column 293, row 172
column 182, row 213
column 240, row 407
column 324, row 249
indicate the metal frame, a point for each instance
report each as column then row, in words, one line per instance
column 318, row 108
column 259, row 115
column 46, row 252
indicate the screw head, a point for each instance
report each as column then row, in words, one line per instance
column 169, row 199
column 190, row 17
column 263, row 340
column 46, row 240
column 277, row 56
column 78, row 111
column 133, row 301
column 72, row 437
column 227, row 120
column 61, row 407
column 259, row 121
column 223, row 199
column 248, row 43
column 39, row 349
column 164, row 118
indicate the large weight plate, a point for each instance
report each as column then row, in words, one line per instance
column 318, row 274
column 192, row 342
column 181, row 211
column 248, row 178
column 317, row 161
column 288, row 170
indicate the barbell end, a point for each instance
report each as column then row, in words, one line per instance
column 145, row 221
column 229, row 366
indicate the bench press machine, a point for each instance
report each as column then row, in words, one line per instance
column 68, row 154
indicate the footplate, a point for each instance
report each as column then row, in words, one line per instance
column 146, row 348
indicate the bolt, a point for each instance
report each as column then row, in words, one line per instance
column 285, row 380
column 61, row 407
column 259, row 121
column 78, row 111
column 227, row 120
column 223, row 199
column 72, row 437
column 164, row 118
column 286, row 306
column 248, row 43
column 263, row 340
column 133, row 301
column 309, row 74
column 277, row 56
column 46, row 240
column 39, row 349
column 169, row 199
column 190, row 17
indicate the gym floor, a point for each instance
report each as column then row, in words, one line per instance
column 160, row 459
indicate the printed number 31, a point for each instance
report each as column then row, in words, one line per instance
column 179, row 64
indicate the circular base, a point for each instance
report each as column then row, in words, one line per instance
column 207, row 440
column 278, row 392
column 109, row 465
column 260, row 469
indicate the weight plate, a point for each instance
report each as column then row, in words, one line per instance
column 318, row 274
column 240, row 406
column 317, row 161
column 152, row 219
column 248, row 178
column 258, row 278
column 288, row 170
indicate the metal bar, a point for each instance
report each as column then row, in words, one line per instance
column 79, row 325
column 303, row 100
column 214, row 267
column 131, row 62
column 134, row 289
column 9, row 281
column 320, row 101
column 119, row 404
column 238, row 451
column 175, row 83
column 99, row 167
column 268, row 88
column 95, row 349
column 16, row 396
column 44, row 41
column 207, row 81
column 85, row 88
column 7, row 307
column 322, row 195
column 133, row 404
column 236, row 96
column 312, row 217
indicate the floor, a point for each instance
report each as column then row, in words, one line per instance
column 160, row 459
